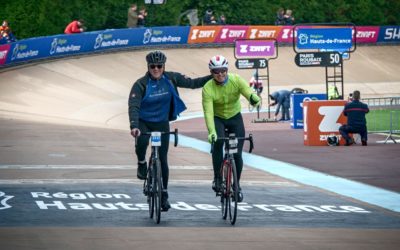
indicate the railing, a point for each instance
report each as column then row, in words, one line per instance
column 384, row 116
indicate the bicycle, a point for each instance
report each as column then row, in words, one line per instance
column 152, row 186
column 229, row 191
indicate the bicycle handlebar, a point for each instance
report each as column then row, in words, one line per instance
column 250, row 139
column 175, row 133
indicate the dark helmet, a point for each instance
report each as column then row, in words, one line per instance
column 332, row 140
column 156, row 57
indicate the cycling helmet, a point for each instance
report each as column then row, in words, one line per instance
column 156, row 57
column 217, row 62
column 332, row 140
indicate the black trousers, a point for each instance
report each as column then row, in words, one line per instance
column 345, row 130
column 143, row 142
column 234, row 125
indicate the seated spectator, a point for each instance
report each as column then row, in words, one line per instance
column 75, row 26
column 6, row 36
column 142, row 17
column 222, row 20
column 280, row 17
column 208, row 17
column 288, row 18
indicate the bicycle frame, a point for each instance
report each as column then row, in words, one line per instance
column 229, row 188
column 153, row 186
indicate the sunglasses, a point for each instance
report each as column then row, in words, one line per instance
column 153, row 66
column 218, row 71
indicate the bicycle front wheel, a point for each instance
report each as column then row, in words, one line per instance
column 234, row 193
column 224, row 190
column 157, row 191
column 149, row 189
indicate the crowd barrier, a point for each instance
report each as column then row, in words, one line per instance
column 49, row 47
column 384, row 116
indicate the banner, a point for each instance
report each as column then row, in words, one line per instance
column 389, row 34
column 4, row 49
column 324, row 38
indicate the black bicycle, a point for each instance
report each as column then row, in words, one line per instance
column 152, row 186
column 229, row 191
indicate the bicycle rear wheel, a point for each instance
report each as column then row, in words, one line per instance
column 157, row 191
column 224, row 190
column 233, row 193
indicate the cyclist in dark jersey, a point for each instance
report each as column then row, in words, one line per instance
column 221, row 106
column 153, row 102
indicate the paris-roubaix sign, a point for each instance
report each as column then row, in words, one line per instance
column 318, row 59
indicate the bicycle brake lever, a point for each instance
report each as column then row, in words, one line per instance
column 251, row 143
column 176, row 137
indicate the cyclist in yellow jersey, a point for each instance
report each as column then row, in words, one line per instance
column 222, row 109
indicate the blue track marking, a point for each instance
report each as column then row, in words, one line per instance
column 363, row 192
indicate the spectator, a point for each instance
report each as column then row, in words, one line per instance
column 75, row 26
column 333, row 93
column 256, row 83
column 299, row 91
column 280, row 17
column 142, row 17
column 132, row 16
column 281, row 98
column 222, row 20
column 288, row 17
column 6, row 36
column 208, row 17
column 356, row 122
column 213, row 21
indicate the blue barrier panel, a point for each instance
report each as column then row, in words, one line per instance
column 164, row 35
column 296, row 107
column 52, row 46
column 63, row 45
column 389, row 34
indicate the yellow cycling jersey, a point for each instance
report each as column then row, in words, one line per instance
column 224, row 100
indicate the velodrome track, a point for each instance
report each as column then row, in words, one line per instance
column 64, row 129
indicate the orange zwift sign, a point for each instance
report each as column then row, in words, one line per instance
column 203, row 34
column 321, row 119
column 263, row 32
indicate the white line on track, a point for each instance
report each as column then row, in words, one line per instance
column 94, row 167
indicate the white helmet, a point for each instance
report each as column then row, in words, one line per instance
column 217, row 62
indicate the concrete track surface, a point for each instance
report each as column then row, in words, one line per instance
column 66, row 156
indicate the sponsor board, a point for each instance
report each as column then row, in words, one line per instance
column 263, row 32
column 324, row 38
column 203, row 34
column 318, row 59
column 389, row 34
column 4, row 49
column 255, row 63
column 296, row 104
column 254, row 48
column 228, row 34
column 366, row 34
column 321, row 119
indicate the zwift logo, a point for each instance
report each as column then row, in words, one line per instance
column 3, row 200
